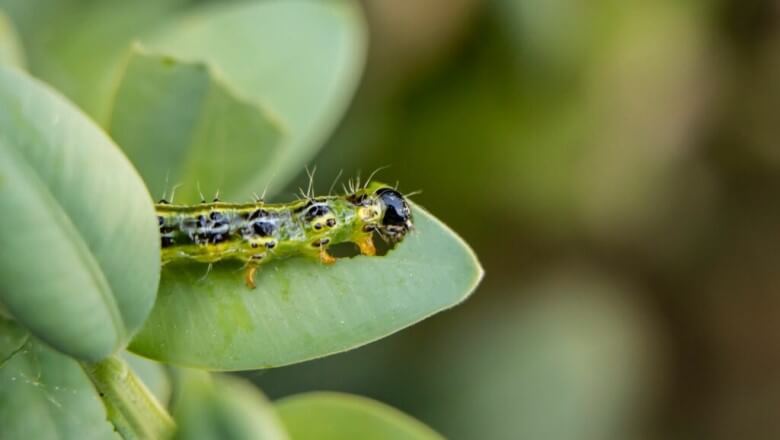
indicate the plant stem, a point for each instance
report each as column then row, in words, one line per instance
column 131, row 407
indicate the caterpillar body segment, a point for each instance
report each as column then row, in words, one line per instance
column 257, row 233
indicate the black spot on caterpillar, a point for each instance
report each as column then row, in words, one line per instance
column 257, row 233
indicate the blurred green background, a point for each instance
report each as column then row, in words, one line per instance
column 615, row 165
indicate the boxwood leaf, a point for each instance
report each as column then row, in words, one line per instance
column 80, row 260
column 11, row 52
column 47, row 395
column 78, row 46
column 182, row 126
column 301, row 309
column 326, row 416
column 222, row 408
column 301, row 58
column 12, row 339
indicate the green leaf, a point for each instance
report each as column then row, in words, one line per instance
column 86, row 64
column 46, row 395
column 12, row 339
column 301, row 58
column 131, row 407
column 301, row 309
column 80, row 260
column 222, row 408
column 325, row 416
column 209, row 137
column 11, row 52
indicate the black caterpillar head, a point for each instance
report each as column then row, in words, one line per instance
column 395, row 219
column 383, row 209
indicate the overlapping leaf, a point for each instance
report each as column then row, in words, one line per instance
column 335, row 416
column 183, row 127
column 78, row 47
column 223, row 407
column 80, row 260
column 44, row 394
column 299, row 58
column 11, row 51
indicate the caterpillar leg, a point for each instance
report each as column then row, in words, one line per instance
column 325, row 257
column 249, row 276
column 366, row 245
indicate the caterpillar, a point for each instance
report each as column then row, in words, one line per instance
column 256, row 233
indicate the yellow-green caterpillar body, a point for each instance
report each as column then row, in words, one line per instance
column 257, row 233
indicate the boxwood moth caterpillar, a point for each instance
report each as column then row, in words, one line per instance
column 258, row 232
